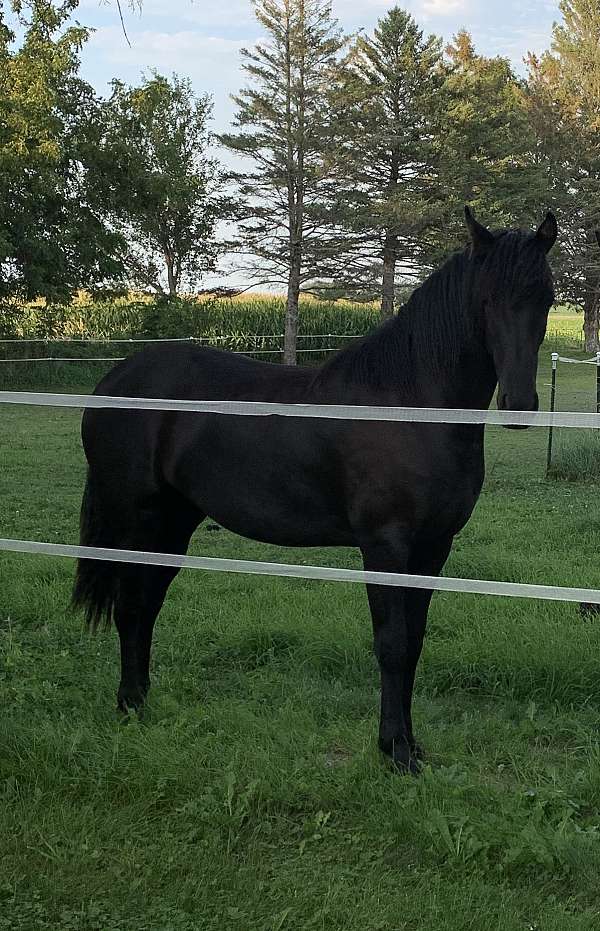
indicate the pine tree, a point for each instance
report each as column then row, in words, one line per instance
column 384, row 144
column 282, row 125
column 564, row 101
column 488, row 148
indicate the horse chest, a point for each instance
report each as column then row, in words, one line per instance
column 424, row 477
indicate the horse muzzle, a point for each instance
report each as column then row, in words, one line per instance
column 506, row 403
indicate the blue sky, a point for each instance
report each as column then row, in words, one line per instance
column 201, row 39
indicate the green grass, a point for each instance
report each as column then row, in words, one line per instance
column 252, row 796
column 565, row 328
column 576, row 459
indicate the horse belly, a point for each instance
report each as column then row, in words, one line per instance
column 267, row 480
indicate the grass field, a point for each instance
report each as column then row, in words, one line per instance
column 252, row 796
column 565, row 328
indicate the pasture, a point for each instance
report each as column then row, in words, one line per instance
column 252, row 794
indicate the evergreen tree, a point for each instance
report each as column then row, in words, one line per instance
column 385, row 154
column 564, row 101
column 282, row 124
column 488, row 148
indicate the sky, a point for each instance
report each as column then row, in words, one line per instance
column 201, row 39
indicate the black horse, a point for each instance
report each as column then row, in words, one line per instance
column 398, row 491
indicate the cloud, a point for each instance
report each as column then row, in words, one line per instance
column 211, row 62
column 443, row 7
column 162, row 47
column 221, row 15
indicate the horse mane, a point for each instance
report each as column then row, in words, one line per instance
column 432, row 327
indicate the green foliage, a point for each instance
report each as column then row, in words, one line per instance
column 162, row 189
column 243, row 324
column 127, row 318
column 487, row 144
column 384, row 153
column 248, row 323
column 564, row 107
column 53, row 236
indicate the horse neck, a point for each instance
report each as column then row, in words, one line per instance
column 468, row 381
column 432, row 354
column 450, row 365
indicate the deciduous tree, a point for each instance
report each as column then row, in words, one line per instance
column 53, row 234
column 163, row 188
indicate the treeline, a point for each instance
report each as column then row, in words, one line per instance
column 355, row 157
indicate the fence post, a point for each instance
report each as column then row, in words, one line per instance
column 552, row 403
column 598, row 382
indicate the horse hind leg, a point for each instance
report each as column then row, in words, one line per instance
column 163, row 526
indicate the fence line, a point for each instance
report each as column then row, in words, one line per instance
column 234, row 352
column 593, row 361
column 67, row 359
column 252, row 408
column 174, row 339
column 323, row 411
column 320, row 573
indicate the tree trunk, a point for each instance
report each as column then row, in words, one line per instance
column 592, row 292
column 171, row 275
column 590, row 320
column 291, row 310
column 389, row 276
column 295, row 189
column 390, row 245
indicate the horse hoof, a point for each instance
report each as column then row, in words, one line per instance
column 404, row 759
column 407, row 767
column 131, row 701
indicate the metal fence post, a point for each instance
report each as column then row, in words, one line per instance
column 552, row 403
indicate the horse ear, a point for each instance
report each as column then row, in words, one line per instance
column 547, row 232
column 481, row 237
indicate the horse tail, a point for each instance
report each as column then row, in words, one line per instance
column 96, row 582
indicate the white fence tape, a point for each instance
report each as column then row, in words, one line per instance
column 325, row 411
column 256, row 408
column 66, row 359
column 593, row 361
column 321, row 573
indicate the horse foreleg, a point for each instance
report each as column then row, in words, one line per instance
column 388, row 551
column 425, row 560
